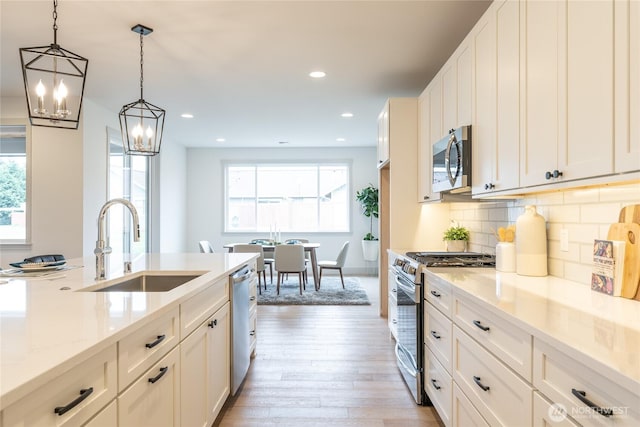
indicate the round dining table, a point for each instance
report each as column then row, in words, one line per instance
column 308, row 247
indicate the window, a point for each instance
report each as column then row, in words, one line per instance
column 128, row 179
column 287, row 197
column 14, row 197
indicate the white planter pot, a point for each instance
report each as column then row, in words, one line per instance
column 456, row 245
column 370, row 249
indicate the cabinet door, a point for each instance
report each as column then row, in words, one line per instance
column 154, row 399
column 425, row 150
column 464, row 73
column 588, row 147
column 627, row 86
column 108, row 417
column 497, row 99
column 450, row 94
column 205, row 370
column 542, row 104
column 435, row 109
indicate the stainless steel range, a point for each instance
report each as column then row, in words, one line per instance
column 406, row 282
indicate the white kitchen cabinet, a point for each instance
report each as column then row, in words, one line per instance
column 145, row 346
column 463, row 413
column 253, row 319
column 383, row 136
column 438, row 335
column 425, row 148
column 503, row 398
column 108, row 417
column 392, row 317
column 439, row 386
column 627, row 86
column 546, row 413
column 580, row 388
column 205, row 370
column 153, row 400
column 567, row 115
column 196, row 309
column 496, row 98
column 72, row 398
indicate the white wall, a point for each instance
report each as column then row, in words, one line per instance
column 585, row 213
column 172, row 204
column 205, row 197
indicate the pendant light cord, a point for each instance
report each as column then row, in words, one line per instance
column 141, row 66
column 55, row 23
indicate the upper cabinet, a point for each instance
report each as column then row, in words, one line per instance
column 567, row 128
column 627, row 86
column 383, row 136
column 496, row 99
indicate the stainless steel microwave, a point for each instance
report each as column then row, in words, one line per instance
column 452, row 162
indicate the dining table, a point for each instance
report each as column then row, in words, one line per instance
column 308, row 247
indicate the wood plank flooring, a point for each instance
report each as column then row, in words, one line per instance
column 324, row 366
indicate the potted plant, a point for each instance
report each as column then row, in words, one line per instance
column 368, row 198
column 456, row 238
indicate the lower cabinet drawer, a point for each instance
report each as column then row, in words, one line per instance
column 438, row 385
column 589, row 397
column 253, row 332
column 438, row 334
column 142, row 348
column 196, row 309
column 509, row 343
column 463, row 414
column 59, row 402
column 501, row 396
column 154, row 399
column 546, row 413
column 108, row 417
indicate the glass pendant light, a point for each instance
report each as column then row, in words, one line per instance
column 54, row 81
column 141, row 122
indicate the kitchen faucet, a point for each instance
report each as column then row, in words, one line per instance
column 101, row 247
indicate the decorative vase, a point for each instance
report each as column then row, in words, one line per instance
column 370, row 250
column 531, row 243
column 456, row 245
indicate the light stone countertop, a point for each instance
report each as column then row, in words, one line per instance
column 598, row 330
column 44, row 330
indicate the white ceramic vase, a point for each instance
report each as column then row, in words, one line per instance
column 456, row 245
column 370, row 249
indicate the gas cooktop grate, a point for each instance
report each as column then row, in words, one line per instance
column 453, row 259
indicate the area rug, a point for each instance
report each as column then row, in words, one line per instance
column 330, row 293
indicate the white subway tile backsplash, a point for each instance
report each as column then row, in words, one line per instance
column 585, row 214
column 599, row 213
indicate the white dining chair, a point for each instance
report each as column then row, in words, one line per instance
column 205, row 247
column 290, row 259
column 260, row 266
column 335, row 265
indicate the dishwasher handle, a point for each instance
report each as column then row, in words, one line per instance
column 241, row 275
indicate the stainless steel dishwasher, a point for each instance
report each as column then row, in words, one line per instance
column 240, row 351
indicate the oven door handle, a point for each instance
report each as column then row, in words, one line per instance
column 409, row 290
column 410, row 369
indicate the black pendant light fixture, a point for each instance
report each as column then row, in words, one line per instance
column 141, row 122
column 53, row 82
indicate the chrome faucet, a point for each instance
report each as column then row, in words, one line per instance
column 101, row 246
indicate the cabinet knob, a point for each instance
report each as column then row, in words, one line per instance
column 489, row 186
column 213, row 323
column 555, row 174
column 425, row 197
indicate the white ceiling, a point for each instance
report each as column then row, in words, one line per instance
column 241, row 67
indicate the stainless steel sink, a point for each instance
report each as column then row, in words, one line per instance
column 149, row 283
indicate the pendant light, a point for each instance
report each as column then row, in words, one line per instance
column 141, row 122
column 53, row 82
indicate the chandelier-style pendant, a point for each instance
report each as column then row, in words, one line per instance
column 141, row 123
column 54, row 81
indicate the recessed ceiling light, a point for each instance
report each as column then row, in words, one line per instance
column 347, row 115
column 186, row 115
column 317, row 74
column 220, row 140
column 340, row 139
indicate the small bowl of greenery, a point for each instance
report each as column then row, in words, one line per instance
column 456, row 238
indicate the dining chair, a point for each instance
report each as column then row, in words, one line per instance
column 267, row 261
column 205, row 247
column 260, row 265
column 290, row 259
column 307, row 255
column 335, row 265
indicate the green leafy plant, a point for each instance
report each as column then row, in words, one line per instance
column 456, row 233
column 368, row 198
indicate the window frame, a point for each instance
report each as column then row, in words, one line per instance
column 226, row 164
column 27, row 241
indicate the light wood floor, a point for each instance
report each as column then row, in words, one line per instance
column 324, row 366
